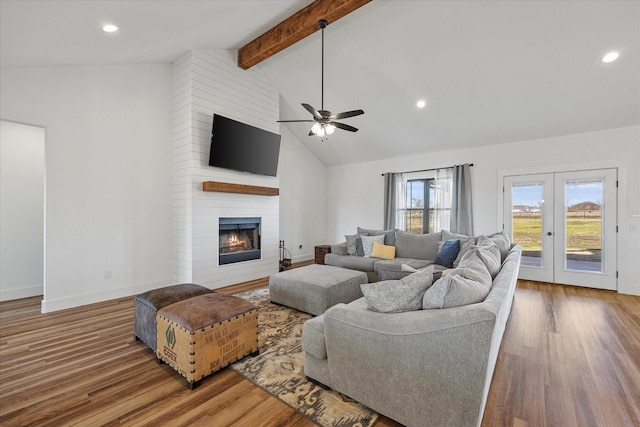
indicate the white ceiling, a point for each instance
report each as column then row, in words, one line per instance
column 491, row 71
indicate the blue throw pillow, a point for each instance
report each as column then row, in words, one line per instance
column 448, row 253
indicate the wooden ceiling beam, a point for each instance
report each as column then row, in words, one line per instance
column 293, row 29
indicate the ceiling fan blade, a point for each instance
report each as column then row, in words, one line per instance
column 346, row 114
column 344, row 127
column 309, row 108
column 294, row 121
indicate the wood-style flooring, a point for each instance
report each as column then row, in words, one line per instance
column 570, row 357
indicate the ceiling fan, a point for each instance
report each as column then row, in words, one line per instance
column 325, row 122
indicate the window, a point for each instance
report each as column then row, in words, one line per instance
column 420, row 206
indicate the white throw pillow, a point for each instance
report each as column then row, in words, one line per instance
column 367, row 243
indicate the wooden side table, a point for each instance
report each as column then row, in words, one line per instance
column 321, row 251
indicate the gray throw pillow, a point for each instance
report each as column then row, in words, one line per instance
column 464, row 248
column 352, row 244
column 417, row 246
column 470, row 283
column 396, row 296
column 489, row 253
column 503, row 241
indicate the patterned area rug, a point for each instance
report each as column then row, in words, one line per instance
column 279, row 369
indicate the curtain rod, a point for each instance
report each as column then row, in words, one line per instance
column 424, row 170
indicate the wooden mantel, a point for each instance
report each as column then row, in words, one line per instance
column 225, row 187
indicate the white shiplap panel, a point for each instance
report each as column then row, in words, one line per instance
column 207, row 82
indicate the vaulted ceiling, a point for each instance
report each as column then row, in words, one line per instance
column 490, row 71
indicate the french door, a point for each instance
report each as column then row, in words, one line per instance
column 566, row 223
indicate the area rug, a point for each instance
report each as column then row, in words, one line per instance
column 279, row 368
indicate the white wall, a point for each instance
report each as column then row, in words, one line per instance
column 108, row 177
column 21, row 210
column 303, row 198
column 355, row 192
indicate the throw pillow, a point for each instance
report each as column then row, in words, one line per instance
column 389, row 235
column 383, row 251
column 352, row 244
column 468, row 284
column 464, row 248
column 503, row 241
column 448, row 252
column 417, row 246
column 367, row 243
column 489, row 253
column 395, row 296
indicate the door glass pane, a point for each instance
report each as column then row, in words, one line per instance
column 583, row 224
column 526, row 208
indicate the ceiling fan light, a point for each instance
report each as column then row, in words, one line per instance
column 329, row 129
column 316, row 128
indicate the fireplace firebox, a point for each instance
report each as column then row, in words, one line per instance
column 239, row 240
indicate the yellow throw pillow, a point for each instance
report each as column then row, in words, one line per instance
column 383, row 251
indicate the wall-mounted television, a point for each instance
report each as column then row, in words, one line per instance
column 241, row 147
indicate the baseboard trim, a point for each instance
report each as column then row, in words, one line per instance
column 19, row 293
column 51, row 305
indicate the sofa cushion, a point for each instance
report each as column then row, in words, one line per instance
column 367, row 243
column 396, row 264
column 468, row 284
column 395, row 296
column 447, row 253
column 389, row 235
column 418, row 246
column 383, row 251
column 447, row 235
column 351, row 262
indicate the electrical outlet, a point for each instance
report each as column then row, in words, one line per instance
column 108, row 274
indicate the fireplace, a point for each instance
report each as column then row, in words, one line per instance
column 239, row 240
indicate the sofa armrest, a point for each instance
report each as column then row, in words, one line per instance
column 339, row 249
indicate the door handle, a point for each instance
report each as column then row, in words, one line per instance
column 549, row 233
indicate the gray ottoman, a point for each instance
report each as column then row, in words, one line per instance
column 314, row 288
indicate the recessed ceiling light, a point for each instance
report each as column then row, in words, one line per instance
column 110, row 28
column 610, row 57
column 421, row 103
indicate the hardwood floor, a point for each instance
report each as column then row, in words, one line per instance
column 570, row 357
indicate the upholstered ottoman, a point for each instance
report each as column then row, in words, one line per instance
column 203, row 334
column 314, row 288
column 146, row 306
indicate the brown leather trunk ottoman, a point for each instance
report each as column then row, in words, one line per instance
column 146, row 306
column 203, row 334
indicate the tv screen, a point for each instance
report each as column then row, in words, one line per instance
column 243, row 148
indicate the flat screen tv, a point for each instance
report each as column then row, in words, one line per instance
column 243, row 148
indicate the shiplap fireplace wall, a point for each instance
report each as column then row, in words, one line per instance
column 207, row 82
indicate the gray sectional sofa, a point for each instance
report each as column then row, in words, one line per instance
column 416, row 251
column 425, row 367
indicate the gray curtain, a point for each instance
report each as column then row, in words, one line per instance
column 393, row 199
column 461, row 209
